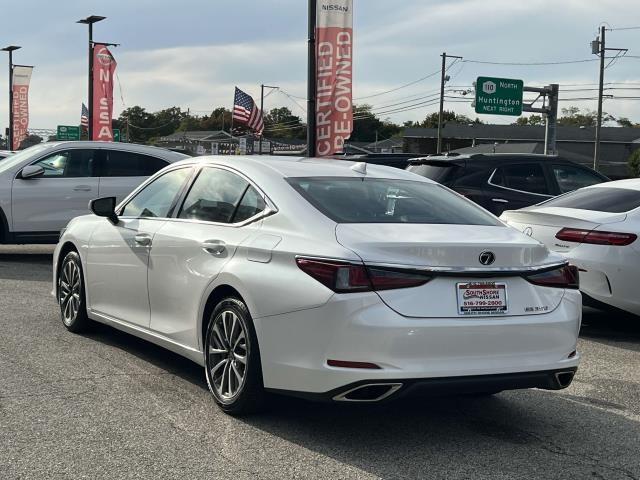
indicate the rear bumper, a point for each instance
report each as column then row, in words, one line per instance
column 392, row 389
column 295, row 347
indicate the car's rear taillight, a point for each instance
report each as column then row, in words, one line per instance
column 387, row 279
column 343, row 277
column 596, row 237
column 563, row 277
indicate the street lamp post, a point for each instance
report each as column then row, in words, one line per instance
column 10, row 49
column 262, row 87
column 90, row 20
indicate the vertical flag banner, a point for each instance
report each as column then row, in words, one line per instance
column 20, row 99
column 334, row 74
column 104, row 67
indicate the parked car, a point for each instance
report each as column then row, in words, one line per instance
column 597, row 229
column 45, row 186
column 501, row 182
column 5, row 153
column 330, row 280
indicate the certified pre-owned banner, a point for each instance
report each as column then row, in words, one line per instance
column 104, row 66
column 334, row 62
column 20, row 99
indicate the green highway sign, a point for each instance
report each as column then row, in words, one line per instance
column 116, row 134
column 68, row 132
column 499, row 96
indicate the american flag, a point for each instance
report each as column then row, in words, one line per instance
column 84, row 117
column 246, row 112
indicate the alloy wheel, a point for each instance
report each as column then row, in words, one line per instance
column 227, row 359
column 70, row 292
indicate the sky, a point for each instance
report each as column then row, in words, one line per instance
column 191, row 53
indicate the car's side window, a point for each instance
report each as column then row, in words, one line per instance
column 251, row 204
column 69, row 163
column 570, row 177
column 525, row 177
column 214, row 196
column 118, row 163
column 158, row 198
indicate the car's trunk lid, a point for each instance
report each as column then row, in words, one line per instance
column 452, row 253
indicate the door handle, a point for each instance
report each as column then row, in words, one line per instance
column 214, row 247
column 143, row 239
column 499, row 200
column 82, row 188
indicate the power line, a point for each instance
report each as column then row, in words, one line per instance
column 400, row 87
column 562, row 62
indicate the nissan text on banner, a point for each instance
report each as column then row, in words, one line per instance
column 20, row 99
column 334, row 62
column 104, row 66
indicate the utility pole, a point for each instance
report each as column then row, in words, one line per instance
column 598, row 47
column 311, row 80
column 90, row 20
column 551, row 120
column 443, row 79
column 10, row 49
column 596, row 149
column 262, row 87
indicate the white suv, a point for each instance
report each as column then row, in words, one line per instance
column 45, row 186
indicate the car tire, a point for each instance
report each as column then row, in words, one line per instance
column 232, row 359
column 71, row 294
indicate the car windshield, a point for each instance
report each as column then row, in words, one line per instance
column 18, row 157
column 385, row 200
column 600, row 199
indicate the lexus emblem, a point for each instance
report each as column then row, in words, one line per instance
column 487, row 258
column 528, row 231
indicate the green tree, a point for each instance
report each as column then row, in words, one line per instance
column 634, row 163
column 30, row 140
column 366, row 124
column 530, row 120
column 574, row 117
column 431, row 120
column 282, row 123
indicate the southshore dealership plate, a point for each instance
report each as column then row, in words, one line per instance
column 482, row 298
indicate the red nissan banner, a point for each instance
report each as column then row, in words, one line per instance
column 334, row 73
column 20, row 99
column 104, row 67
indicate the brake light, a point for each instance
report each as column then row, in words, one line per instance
column 596, row 237
column 387, row 279
column 563, row 277
column 344, row 277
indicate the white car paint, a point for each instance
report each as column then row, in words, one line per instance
column 34, row 210
column 608, row 273
column 160, row 292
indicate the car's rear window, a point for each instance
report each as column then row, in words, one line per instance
column 437, row 172
column 382, row 200
column 601, row 199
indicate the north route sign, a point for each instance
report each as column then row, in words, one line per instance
column 499, row 96
column 68, row 132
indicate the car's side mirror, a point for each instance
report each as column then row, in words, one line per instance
column 105, row 207
column 31, row 171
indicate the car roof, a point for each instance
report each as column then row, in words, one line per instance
column 490, row 157
column 288, row 166
column 629, row 184
column 129, row 147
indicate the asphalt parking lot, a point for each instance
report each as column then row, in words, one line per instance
column 108, row 405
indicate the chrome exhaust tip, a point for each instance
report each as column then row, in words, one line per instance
column 370, row 392
column 563, row 379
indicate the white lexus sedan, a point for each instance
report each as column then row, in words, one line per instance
column 597, row 229
column 324, row 279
